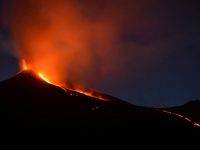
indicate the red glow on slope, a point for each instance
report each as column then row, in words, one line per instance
column 91, row 94
column 48, row 78
column 42, row 76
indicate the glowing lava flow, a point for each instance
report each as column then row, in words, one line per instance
column 182, row 117
column 42, row 76
column 90, row 93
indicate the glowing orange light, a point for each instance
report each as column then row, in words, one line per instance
column 42, row 76
column 24, row 65
column 47, row 77
column 91, row 94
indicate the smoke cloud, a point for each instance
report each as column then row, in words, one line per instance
column 69, row 41
column 89, row 43
column 144, row 51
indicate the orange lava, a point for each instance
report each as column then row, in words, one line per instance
column 47, row 78
column 42, row 76
column 91, row 94
column 24, row 65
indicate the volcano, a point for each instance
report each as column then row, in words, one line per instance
column 28, row 101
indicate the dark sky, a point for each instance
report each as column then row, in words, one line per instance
column 159, row 44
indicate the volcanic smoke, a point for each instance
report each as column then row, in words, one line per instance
column 60, row 41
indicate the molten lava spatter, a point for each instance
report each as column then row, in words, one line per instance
column 46, row 78
column 24, row 65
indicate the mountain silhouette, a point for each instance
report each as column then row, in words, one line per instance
column 191, row 110
column 27, row 101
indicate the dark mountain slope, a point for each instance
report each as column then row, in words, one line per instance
column 26, row 101
column 190, row 110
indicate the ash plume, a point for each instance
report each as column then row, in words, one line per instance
column 63, row 39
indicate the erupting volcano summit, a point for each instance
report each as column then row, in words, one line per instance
column 27, row 100
column 39, row 74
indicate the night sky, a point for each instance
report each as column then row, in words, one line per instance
column 158, row 44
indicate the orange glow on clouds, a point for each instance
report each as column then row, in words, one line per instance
column 80, row 89
column 24, row 66
column 62, row 43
